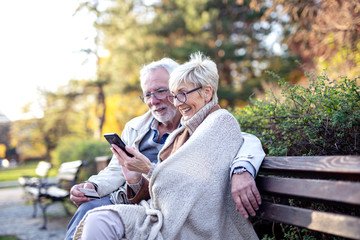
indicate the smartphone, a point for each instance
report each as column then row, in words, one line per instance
column 113, row 138
column 90, row 193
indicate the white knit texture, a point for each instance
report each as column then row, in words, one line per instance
column 190, row 190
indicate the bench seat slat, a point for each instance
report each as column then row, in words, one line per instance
column 52, row 191
column 336, row 164
column 336, row 224
column 338, row 191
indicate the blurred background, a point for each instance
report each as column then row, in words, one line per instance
column 86, row 81
column 69, row 70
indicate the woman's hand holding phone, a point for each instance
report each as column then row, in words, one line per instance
column 113, row 138
column 133, row 167
column 133, row 162
column 139, row 163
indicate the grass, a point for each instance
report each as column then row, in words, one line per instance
column 28, row 168
column 8, row 238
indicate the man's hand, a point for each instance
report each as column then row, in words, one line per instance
column 245, row 194
column 76, row 196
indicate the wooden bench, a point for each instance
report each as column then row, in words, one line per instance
column 319, row 193
column 45, row 193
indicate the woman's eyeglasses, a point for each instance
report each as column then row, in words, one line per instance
column 181, row 96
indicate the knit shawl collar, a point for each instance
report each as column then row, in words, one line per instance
column 188, row 129
column 199, row 117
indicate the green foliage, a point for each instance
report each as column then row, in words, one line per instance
column 315, row 40
column 8, row 237
column 71, row 149
column 288, row 232
column 267, row 237
column 295, row 233
column 232, row 33
column 321, row 119
column 28, row 139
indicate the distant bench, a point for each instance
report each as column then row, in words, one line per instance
column 294, row 189
column 42, row 171
column 43, row 193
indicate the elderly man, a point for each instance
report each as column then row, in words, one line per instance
column 148, row 134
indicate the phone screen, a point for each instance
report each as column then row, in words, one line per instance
column 113, row 138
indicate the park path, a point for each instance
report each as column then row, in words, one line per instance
column 16, row 218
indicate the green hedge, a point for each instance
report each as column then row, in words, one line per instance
column 71, row 149
column 321, row 119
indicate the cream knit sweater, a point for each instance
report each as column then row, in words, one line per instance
column 190, row 190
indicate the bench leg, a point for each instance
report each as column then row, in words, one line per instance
column 43, row 208
column 35, row 203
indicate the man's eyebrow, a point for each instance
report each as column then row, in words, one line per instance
column 157, row 89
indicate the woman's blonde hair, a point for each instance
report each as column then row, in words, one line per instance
column 200, row 70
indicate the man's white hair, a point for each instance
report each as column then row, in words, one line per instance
column 167, row 63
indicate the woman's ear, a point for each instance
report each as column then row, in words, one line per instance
column 208, row 92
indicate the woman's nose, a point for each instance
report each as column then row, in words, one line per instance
column 177, row 102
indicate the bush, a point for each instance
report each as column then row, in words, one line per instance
column 71, row 149
column 321, row 119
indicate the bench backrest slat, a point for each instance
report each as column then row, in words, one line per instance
column 42, row 168
column 68, row 171
column 333, row 191
column 335, row 164
column 331, row 223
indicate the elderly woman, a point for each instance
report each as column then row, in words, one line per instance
column 189, row 188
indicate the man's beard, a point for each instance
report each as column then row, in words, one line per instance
column 169, row 116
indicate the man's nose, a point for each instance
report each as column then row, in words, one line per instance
column 154, row 100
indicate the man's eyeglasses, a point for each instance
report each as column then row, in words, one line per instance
column 159, row 95
column 181, row 96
